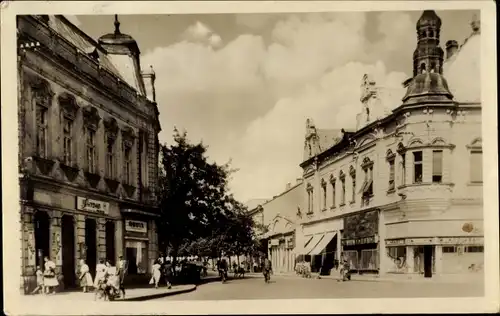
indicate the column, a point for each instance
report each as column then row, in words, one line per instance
column 409, row 259
column 80, row 236
column 339, row 245
column 439, row 259
column 101, row 238
column 383, row 260
column 55, row 240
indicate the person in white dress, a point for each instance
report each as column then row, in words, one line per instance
column 156, row 274
column 85, row 276
column 100, row 273
column 113, row 277
column 49, row 276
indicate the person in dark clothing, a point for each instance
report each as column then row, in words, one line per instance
column 167, row 273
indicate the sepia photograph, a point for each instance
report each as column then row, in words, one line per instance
column 185, row 157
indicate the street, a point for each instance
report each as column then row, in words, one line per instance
column 253, row 287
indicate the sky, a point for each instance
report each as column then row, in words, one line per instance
column 245, row 84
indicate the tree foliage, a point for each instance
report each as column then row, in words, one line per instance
column 198, row 215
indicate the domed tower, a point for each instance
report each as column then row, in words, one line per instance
column 124, row 52
column 428, row 56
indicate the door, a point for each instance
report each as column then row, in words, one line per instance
column 68, row 251
column 131, row 254
column 91, row 244
column 428, row 261
column 42, row 236
column 110, row 242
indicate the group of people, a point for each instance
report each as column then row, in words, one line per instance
column 162, row 267
column 105, row 275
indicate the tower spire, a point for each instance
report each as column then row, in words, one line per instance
column 428, row 56
column 117, row 25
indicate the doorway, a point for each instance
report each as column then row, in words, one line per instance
column 428, row 261
column 110, row 241
column 91, row 244
column 42, row 236
column 131, row 254
column 68, row 250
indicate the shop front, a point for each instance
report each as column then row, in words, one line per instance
column 281, row 251
column 360, row 241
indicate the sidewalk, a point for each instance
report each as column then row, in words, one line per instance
column 138, row 294
column 465, row 278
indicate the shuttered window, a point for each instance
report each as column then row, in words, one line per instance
column 476, row 166
column 437, row 166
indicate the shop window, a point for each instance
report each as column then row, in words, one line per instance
column 67, row 140
column 417, row 167
column 136, row 256
column 110, row 158
column 42, row 127
column 474, row 249
column 476, row 166
column 91, row 151
column 449, row 249
column 437, row 166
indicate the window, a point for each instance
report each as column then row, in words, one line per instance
column 476, row 166
column 353, row 198
column 475, row 249
column 417, row 167
column 91, row 151
column 391, row 174
column 403, row 169
column 333, row 182
column 67, row 140
column 110, row 158
column 41, row 125
column 127, row 164
column 342, row 196
column 449, row 249
column 367, row 188
column 437, row 166
column 323, row 188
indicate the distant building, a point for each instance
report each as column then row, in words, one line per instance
column 88, row 149
column 402, row 192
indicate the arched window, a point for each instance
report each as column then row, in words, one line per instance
column 431, row 34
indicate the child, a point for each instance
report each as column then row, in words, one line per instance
column 39, row 281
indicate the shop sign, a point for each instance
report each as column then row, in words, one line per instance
column 274, row 242
column 420, row 241
column 359, row 241
column 395, row 242
column 361, row 225
column 93, row 206
column 461, row 240
column 136, row 226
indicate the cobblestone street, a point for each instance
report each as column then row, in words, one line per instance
column 281, row 287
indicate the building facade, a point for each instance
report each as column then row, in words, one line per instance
column 88, row 149
column 402, row 193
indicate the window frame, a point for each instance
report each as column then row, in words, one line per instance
column 434, row 173
column 333, row 182
column 110, row 169
column 42, row 129
column 419, row 163
column 68, row 144
column 127, row 163
column 91, row 150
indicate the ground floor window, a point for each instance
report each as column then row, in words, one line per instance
column 136, row 256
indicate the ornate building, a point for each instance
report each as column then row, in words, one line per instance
column 88, row 149
column 403, row 192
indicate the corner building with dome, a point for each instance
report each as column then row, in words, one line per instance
column 88, row 150
column 402, row 193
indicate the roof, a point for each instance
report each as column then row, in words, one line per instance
column 429, row 18
column 328, row 137
column 253, row 203
column 82, row 41
column 427, row 86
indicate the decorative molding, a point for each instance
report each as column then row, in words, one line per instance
column 128, row 136
column 323, row 183
column 352, row 171
column 401, row 149
column 111, row 126
column 341, row 175
column 71, row 172
column 91, row 117
column 367, row 163
column 112, row 185
column 69, row 106
column 309, row 187
column 390, row 155
column 332, row 179
column 476, row 143
column 40, row 88
column 44, row 165
column 92, row 178
column 129, row 189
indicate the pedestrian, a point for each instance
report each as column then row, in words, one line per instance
column 49, row 276
column 167, row 273
column 112, row 277
column 39, row 281
column 121, row 270
column 85, row 277
column 100, row 273
column 155, row 278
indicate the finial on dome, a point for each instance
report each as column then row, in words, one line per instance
column 117, row 25
column 475, row 24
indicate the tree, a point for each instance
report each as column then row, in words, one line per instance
column 192, row 193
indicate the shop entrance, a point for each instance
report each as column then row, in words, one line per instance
column 91, row 244
column 110, row 241
column 428, row 261
column 68, row 250
column 42, row 236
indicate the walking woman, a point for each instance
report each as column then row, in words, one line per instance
column 49, row 276
column 85, row 277
column 100, row 273
column 156, row 274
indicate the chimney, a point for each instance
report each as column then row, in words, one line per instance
column 451, row 48
column 149, row 77
column 288, row 186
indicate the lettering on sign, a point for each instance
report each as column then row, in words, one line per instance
column 136, row 226
column 359, row 241
column 275, row 242
column 94, row 206
column 395, row 242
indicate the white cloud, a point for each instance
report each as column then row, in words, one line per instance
column 249, row 101
column 201, row 33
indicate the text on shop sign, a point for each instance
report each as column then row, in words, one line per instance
column 359, row 241
column 89, row 205
column 136, row 226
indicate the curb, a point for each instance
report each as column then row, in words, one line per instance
column 158, row 295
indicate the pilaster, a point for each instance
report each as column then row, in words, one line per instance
column 101, row 238
column 409, row 259
column 439, row 259
column 384, row 264
column 55, row 240
column 80, row 236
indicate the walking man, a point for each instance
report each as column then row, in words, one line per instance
column 121, row 267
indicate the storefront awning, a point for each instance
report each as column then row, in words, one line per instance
column 313, row 243
column 300, row 249
column 322, row 243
